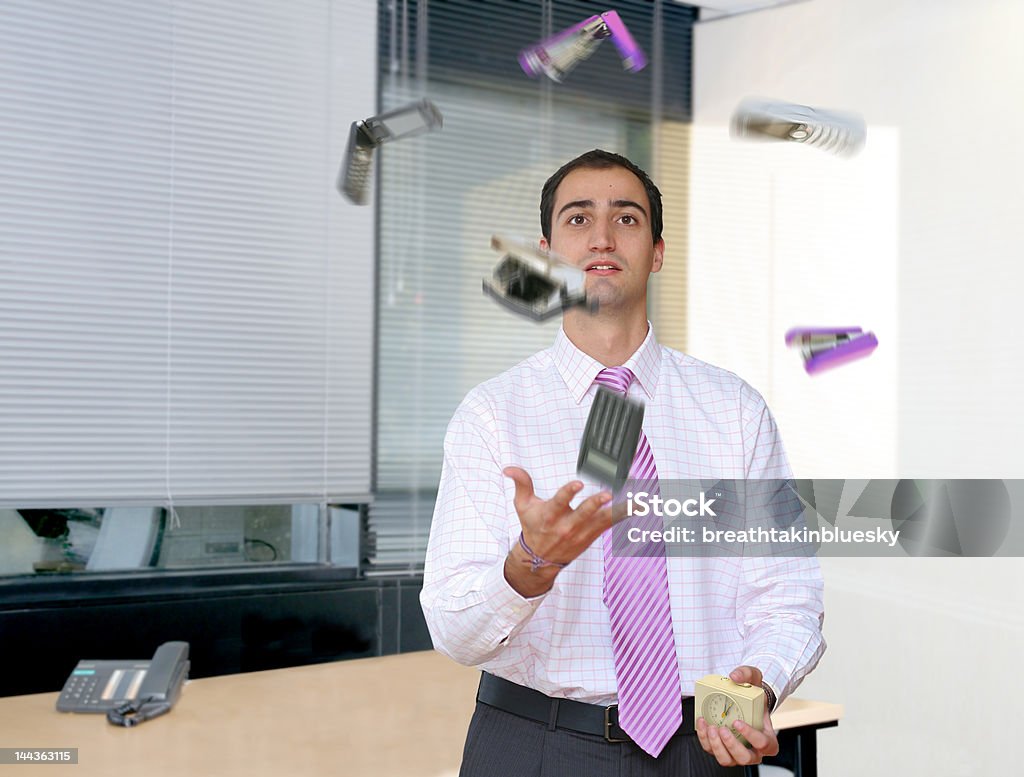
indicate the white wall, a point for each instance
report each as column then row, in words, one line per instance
column 920, row 649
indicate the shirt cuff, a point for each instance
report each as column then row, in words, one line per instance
column 772, row 675
column 512, row 609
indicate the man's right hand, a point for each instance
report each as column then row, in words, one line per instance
column 553, row 530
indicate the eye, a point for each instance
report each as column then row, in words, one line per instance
column 577, row 220
column 628, row 219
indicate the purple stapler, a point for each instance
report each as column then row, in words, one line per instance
column 823, row 348
column 558, row 55
column 633, row 58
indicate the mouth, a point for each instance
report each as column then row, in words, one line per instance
column 602, row 267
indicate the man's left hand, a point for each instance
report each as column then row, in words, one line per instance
column 726, row 748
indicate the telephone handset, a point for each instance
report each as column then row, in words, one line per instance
column 128, row 691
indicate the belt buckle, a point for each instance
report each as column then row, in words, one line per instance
column 608, row 724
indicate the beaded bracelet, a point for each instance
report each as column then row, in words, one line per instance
column 536, row 562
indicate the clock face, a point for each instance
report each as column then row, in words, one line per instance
column 721, row 710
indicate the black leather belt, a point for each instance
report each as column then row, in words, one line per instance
column 563, row 713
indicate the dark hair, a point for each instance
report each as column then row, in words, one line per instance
column 599, row 160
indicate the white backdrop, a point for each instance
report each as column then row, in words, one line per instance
column 915, row 644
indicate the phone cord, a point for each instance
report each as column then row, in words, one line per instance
column 134, row 712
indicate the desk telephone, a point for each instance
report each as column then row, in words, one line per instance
column 129, row 692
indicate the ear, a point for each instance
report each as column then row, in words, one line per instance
column 543, row 243
column 659, row 255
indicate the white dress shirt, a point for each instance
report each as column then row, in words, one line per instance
column 701, row 422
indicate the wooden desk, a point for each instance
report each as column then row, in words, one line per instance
column 400, row 716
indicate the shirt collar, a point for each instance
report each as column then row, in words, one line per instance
column 578, row 370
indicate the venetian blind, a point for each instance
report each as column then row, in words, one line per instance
column 443, row 195
column 186, row 308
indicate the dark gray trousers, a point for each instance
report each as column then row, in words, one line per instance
column 500, row 744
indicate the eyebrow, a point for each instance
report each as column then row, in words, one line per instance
column 591, row 204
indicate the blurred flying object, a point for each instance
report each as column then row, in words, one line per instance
column 825, row 348
column 836, row 131
column 535, row 284
column 610, row 438
column 364, row 137
column 558, row 55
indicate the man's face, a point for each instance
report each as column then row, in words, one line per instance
column 601, row 223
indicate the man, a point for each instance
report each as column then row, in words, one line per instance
column 519, row 579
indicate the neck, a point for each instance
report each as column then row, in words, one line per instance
column 610, row 339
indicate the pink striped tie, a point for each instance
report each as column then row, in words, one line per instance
column 636, row 594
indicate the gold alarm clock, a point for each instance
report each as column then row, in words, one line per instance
column 721, row 702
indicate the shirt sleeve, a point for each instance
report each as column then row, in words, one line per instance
column 781, row 612
column 780, row 603
column 764, row 454
column 470, row 609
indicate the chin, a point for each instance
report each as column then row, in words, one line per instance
column 611, row 303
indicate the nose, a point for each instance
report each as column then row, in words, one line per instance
column 602, row 241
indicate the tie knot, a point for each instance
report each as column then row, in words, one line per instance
column 615, row 378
